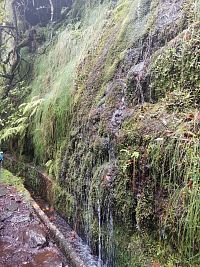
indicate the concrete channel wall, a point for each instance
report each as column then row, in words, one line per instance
column 34, row 179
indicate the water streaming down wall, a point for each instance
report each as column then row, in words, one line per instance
column 91, row 214
column 92, row 211
column 90, row 166
column 112, row 79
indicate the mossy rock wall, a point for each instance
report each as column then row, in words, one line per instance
column 116, row 149
column 106, row 169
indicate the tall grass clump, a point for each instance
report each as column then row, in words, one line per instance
column 175, row 167
column 54, row 79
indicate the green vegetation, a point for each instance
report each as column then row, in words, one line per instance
column 9, row 179
column 177, row 67
column 175, row 169
column 112, row 113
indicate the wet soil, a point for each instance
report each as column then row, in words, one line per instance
column 24, row 240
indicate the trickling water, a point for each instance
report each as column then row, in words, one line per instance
column 88, row 220
column 52, row 9
column 76, row 242
column 90, row 168
column 110, row 235
column 99, row 224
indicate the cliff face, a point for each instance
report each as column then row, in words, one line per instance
column 35, row 12
column 113, row 114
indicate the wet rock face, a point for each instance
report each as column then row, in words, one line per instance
column 41, row 12
column 38, row 12
column 98, row 142
column 169, row 11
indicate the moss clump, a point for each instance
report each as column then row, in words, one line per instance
column 64, row 202
column 8, row 178
column 177, row 66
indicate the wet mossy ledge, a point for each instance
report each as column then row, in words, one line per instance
column 33, row 178
column 115, row 122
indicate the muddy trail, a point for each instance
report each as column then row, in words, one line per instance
column 24, row 240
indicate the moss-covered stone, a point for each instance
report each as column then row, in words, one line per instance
column 120, row 143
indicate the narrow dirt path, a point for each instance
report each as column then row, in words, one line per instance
column 24, row 240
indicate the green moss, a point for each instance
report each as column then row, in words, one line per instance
column 175, row 166
column 136, row 253
column 8, row 178
column 177, row 66
column 139, row 249
column 121, row 10
column 88, row 59
column 64, row 202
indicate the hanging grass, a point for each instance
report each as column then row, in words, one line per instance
column 54, row 80
column 175, row 168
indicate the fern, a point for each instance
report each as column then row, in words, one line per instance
column 18, row 124
column 9, row 133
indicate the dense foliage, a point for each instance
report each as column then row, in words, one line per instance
column 110, row 109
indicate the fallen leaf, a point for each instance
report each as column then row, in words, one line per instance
column 51, row 209
column 52, row 218
column 189, row 134
column 73, row 235
column 156, row 264
column 189, row 117
column 168, row 133
column 190, row 183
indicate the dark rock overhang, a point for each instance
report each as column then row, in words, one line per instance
column 41, row 12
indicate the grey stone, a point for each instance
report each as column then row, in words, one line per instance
column 12, row 206
column 5, row 215
column 3, row 192
column 20, row 218
column 35, row 237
